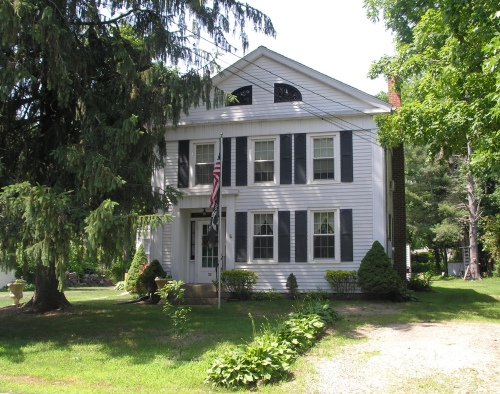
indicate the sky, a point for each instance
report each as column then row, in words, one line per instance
column 333, row 37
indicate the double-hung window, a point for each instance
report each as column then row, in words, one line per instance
column 264, row 161
column 204, row 164
column 323, row 235
column 263, row 238
column 325, row 158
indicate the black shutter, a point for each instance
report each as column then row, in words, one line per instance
column 240, row 242
column 346, row 236
column 183, row 164
column 226, row 162
column 241, row 161
column 286, row 159
column 346, row 166
column 300, row 159
column 284, row 236
column 301, row 236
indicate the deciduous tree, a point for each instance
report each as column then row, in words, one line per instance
column 445, row 69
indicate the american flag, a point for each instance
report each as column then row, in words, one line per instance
column 216, row 176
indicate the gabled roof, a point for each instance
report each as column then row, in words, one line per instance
column 378, row 106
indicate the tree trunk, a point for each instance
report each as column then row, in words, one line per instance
column 473, row 209
column 437, row 259
column 47, row 296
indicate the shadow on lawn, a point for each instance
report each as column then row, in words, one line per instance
column 137, row 332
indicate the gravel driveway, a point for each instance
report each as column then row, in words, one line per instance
column 415, row 358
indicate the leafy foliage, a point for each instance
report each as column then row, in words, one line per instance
column 446, row 69
column 291, row 284
column 133, row 283
column 376, row 274
column 342, row 282
column 178, row 314
column 239, row 282
column 268, row 357
column 270, row 295
column 147, row 278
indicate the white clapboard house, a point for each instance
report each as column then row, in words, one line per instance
column 305, row 186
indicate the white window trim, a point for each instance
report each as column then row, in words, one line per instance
column 310, row 157
column 250, row 233
column 251, row 164
column 310, row 235
column 192, row 162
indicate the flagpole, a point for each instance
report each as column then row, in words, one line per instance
column 220, row 257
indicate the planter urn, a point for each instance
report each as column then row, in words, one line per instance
column 16, row 292
column 160, row 282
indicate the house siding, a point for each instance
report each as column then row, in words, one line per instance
column 358, row 190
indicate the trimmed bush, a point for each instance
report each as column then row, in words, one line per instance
column 238, row 282
column 270, row 295
column 147, row 279
column 133, row 285
column 376, row 274
column 342, row 282
column 292, row 285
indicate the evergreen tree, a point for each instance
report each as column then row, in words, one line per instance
column 85, row 90
column 376, row 274
column 133, row 283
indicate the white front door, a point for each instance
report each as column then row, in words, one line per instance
column 206, row 259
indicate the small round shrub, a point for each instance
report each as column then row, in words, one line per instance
column 376, row 275
column 239, row 282
column 147, row 279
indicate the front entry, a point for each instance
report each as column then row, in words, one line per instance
column 206, row 259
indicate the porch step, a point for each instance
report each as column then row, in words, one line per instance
column 202, row 294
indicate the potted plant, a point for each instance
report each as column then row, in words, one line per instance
column 16, row 288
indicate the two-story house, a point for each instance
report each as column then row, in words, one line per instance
column 305, row 185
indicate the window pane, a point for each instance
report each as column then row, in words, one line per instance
column 323, row 169
column 264, row 150
column 263, row 239
column 209, row 257
column 264, row 161
column 323, row 222
column 324, row 247
column 263, row 224
column 204, row 165
column 324, row 238
column 264, row 171
column 323, row 162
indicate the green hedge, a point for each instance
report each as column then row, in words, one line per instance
column 240, row 283
column 342, row 282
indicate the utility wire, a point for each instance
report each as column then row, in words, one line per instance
column 322, row 117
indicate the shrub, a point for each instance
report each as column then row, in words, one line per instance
column 342, row 282
column 316, row 295
column 292, row 285
column 268, row 357
column 147, row 279
column 133, row 285
column 376, row 274
column 420, row 282
column 240, row 283
column 270, row 295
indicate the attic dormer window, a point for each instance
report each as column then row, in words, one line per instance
column 285, row 93
column 243, row 96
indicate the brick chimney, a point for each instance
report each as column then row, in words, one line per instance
column 399, row 199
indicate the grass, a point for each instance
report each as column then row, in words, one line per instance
column 99, row 346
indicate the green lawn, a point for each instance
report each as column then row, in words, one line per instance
column 101, row 347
